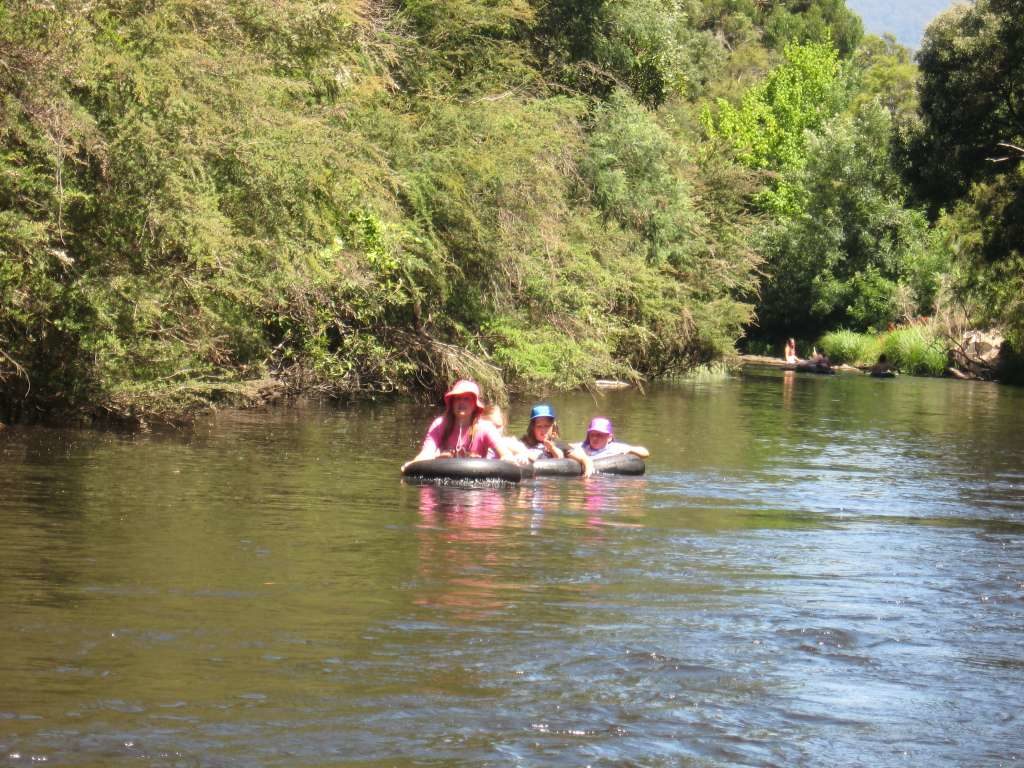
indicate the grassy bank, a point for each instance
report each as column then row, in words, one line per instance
column 915, row 350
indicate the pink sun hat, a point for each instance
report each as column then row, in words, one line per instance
column 464, row 387
column 600, row 424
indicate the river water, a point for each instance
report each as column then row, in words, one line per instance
column 814, row 571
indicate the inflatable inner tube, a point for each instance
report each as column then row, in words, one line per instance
column 882, row 374
column 553, row 468
column 465, row 469
column 622, row 464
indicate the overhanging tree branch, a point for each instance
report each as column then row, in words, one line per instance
column 1013, row 148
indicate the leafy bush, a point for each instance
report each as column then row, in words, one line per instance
column 355, row 198
column 850, row 347
column 915, row 350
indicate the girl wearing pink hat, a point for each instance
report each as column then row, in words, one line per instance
column 600, row 441
column 460, row 431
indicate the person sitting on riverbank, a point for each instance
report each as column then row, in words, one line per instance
column 542, row 440
column 459, row 431
column 790, row 353
column 496, row 415
column 600, row 441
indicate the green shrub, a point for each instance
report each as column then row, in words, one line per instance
column 205, row 193
column 916, row 351
column 852, row 348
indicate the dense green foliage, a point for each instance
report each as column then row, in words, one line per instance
column 850, row 347
column 362, row 197
column 353, row 197
column 854, row 255
column 841, row 245
column 966, row 156
column 916, row 350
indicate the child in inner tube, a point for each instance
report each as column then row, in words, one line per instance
column 542, row 440
column 459, row 431
column 601, row 441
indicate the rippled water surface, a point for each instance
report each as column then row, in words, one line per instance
column 814, row 571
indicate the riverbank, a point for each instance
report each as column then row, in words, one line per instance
column 171, row 406
column 775, row 362
column 179, row 405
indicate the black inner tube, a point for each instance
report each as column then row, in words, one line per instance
column 554, row 468
column 506, row 471
column 465, row 469
column 622, row 464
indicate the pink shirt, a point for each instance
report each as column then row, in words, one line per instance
column 485, row 437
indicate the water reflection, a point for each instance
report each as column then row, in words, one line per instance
column 788, row 387
column 467, row 510
column 815, row 571
column 460, row 552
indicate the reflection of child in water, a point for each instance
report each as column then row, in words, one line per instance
column 469, row 508
column 600, row 442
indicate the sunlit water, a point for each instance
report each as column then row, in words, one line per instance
column 814, row 571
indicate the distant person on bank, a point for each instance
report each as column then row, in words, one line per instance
column 790, row 353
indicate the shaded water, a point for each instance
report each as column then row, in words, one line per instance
column 815, row 571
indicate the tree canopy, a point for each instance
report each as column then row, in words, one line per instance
column 364, row 198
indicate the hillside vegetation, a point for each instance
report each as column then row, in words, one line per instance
column 365, row 197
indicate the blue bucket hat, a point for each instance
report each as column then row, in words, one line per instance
column 542, row 411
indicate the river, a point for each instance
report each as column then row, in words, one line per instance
column 814, row 571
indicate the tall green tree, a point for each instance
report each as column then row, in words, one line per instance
column 966, row 160
column 855, row 255
column 885, row 70
column 767, row 129
column 972, row 96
